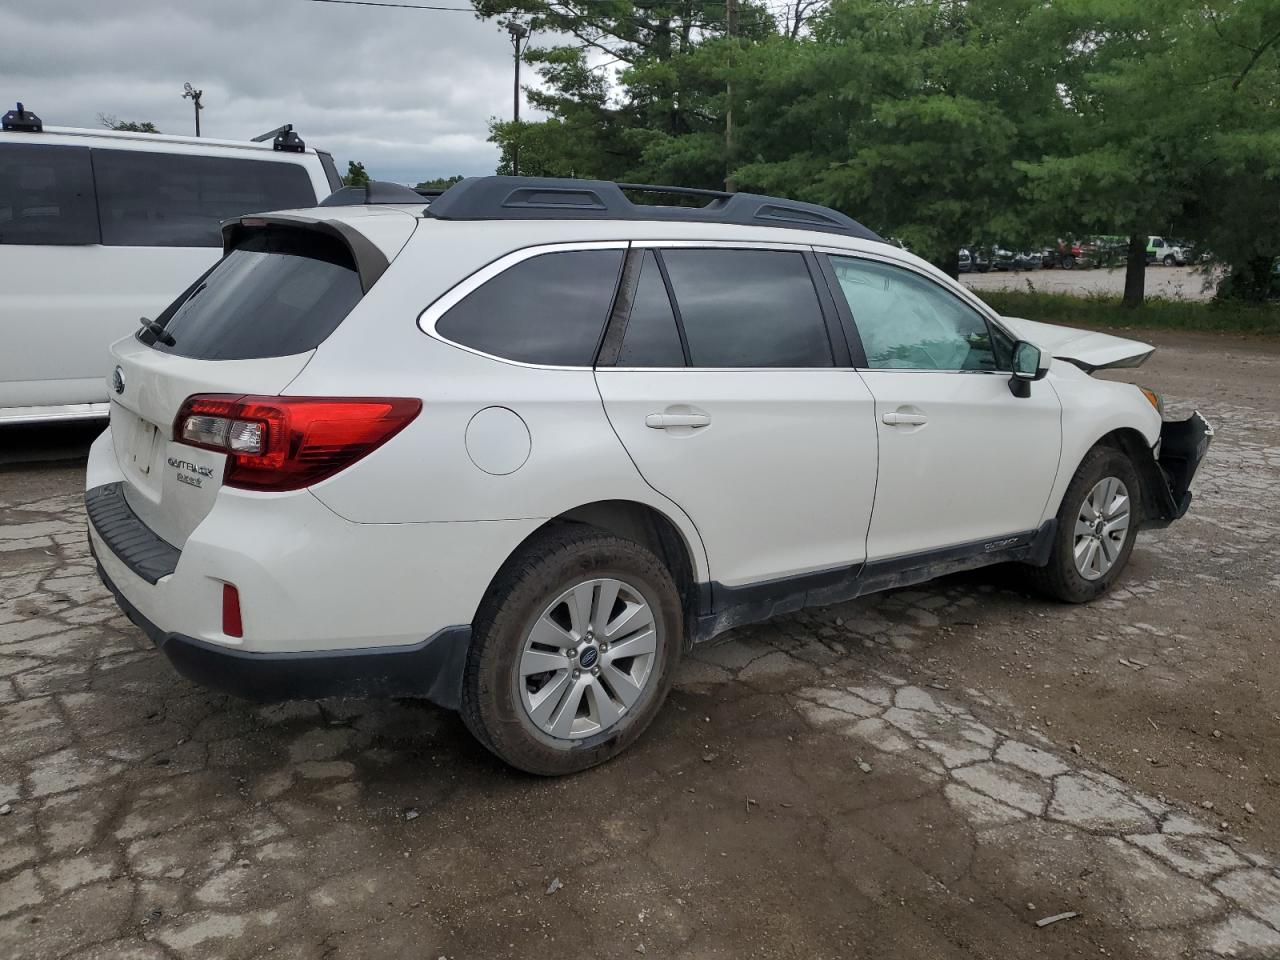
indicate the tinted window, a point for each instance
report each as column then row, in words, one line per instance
column 46, row 195
column 547, row 309
column 174, row 200
column 651, row 338
column 748, row 308
column 908, row 322
column 280, row 292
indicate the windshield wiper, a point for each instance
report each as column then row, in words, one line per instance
column 157, row 331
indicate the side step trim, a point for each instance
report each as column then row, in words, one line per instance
column 127, row 536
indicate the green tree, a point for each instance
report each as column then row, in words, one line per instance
column 440, row 183
column 356, row 175
column 112, row 122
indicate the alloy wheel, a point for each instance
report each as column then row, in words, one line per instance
column 587, row 659
column 1102, row 524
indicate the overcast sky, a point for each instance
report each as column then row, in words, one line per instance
column 409, row 93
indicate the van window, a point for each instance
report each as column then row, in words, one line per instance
column 177, row 200
column 46, row 195
column 281, row 291
column 748, row 308
column 548, row 309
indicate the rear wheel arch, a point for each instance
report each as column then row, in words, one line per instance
column 630, row 520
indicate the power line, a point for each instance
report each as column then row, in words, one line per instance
column 397, row 6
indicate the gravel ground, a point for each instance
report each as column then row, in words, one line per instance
column 925, row 773
column 1173, row 283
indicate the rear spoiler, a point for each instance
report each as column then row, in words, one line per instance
column 371, row 263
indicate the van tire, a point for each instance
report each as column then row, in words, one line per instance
column 492, row 705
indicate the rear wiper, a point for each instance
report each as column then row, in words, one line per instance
column 157, row 331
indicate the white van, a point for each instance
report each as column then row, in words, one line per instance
column 100, row 228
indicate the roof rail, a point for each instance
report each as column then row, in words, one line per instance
column 373, row 192
column 282, row 138
column 21, row 119
column 550, row 198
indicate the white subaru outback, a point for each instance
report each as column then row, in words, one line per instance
column 513, row 451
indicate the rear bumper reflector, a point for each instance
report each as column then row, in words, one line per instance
column 127, row 536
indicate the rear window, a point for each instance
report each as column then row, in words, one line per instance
column 177, row 200
column 280, row 292
column 46, row 195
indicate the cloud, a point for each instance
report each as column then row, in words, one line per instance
column 408, row 93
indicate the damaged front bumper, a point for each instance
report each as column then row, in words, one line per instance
column 1182, row 446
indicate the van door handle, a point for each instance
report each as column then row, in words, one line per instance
column 662, row 421
column 905, row 419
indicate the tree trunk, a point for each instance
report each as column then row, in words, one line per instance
column 1135, row 272
column 951, row 263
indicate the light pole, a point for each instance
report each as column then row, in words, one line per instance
column 194, row 95
column 519, row 36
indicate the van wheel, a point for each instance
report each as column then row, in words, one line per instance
column 1168, row 260
column 1097, row 525
column 573, row 651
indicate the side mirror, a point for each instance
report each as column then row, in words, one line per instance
column 1028, row 366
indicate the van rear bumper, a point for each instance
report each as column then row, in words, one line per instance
column 431, row 669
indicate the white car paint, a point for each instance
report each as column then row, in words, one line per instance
column 795, row 471
column 1089, row 347
column 63, row 305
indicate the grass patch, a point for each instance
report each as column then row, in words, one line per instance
column 1107, row 313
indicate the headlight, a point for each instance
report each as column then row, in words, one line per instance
column 1154, row 399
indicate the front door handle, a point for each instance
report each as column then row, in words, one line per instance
column 663, row 421
column 905, row 419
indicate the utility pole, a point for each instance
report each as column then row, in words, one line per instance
column 194, row 95
column 732, row 24
column 519, row 36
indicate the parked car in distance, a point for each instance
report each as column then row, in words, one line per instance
column 515, row 483
column 1027, row 260
column 1001, row 259
column 964, row 262
column 99, row 228
column 1165, row 252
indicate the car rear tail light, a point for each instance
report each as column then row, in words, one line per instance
column 232, row 626
column 286, row 443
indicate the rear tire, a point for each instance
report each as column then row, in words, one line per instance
column 549, row 601
column 1090, row 548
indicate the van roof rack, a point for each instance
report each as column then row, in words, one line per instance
column 282, row 138
column 374, row 192
column 21, row 119
column 551, row 198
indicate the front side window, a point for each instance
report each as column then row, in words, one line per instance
column 177, row 200
column 549, row 309
column 908, row 322
column 748, row 308
column 46, row 195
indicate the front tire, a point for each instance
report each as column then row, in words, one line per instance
column 573, row 651
column 1097, row 525
column 1169, row 261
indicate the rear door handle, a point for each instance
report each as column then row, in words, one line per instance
column 662, row 421
column 905, row 419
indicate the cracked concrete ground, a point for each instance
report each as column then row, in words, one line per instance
column 923, row 773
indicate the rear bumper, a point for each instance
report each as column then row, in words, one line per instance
column 1183, row 445
column 431, row 669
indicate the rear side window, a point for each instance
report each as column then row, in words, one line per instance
column 651, row 338
column 176, row 200
column 548, row 309
column 46, row 195
column 280, row 292
column 748, row 308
